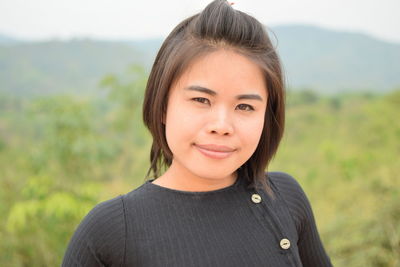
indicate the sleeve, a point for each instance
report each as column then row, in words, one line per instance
column 99, row 239
column 311, row 249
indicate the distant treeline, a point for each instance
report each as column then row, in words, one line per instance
column 320, row 59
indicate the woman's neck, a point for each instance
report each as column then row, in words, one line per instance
column 181, row 179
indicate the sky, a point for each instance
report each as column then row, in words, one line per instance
column 138, row 19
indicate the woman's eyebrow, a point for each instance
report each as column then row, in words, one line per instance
column 201, row 89
column 213, row 93
column 249, row 96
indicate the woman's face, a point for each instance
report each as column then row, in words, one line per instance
column 215, row 115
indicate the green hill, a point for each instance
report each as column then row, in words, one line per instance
column 314, row 58
column 58, row 67
column 337, row 61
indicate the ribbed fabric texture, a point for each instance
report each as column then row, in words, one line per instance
column 157, row 226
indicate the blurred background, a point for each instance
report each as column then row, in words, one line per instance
column 72, row 76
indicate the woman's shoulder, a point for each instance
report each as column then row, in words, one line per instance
column 284, row 181
column 99, row 237
column 114, row 209
column 111, row 209
column 310, row 246
column 290, row 190
column 104, row 220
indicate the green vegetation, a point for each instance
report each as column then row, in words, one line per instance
column 60, row 155
column 345, row 152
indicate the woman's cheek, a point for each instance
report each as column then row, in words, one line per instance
column 252, row 132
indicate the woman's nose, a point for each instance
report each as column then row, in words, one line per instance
column 220, row 122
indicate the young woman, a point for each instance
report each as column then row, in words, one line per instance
column 214, row 104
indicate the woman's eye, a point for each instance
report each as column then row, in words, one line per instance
column 245, row 107
column 201, row 100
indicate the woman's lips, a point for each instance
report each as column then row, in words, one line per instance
column 215, row 151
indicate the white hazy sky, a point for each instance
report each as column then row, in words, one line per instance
column 130, row 19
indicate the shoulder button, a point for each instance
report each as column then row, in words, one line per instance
column 285, row 243
column 256, row 198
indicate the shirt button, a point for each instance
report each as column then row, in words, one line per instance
column 285, row 243
column 256, row 198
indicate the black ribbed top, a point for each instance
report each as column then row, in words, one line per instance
column 233, row 226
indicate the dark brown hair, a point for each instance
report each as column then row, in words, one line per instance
column 217, row 26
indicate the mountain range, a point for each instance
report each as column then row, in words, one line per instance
column 314, row 58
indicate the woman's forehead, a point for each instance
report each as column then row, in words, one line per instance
column 222, row 70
